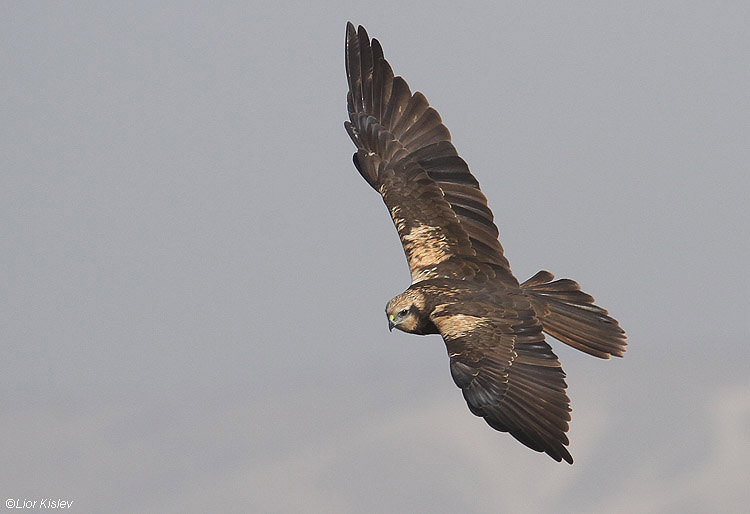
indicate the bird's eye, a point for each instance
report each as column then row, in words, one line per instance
column 403, row 312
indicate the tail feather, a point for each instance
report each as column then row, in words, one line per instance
column 570, row 316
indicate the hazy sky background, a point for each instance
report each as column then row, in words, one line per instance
column 194, row 274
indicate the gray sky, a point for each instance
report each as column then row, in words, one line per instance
column 195, row 274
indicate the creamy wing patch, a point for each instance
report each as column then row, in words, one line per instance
column 460, row 325
column 425, row 246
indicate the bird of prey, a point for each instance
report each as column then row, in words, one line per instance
column 461, row 284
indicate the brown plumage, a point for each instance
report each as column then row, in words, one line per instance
column 462, row 286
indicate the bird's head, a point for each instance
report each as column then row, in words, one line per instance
column 404, row 311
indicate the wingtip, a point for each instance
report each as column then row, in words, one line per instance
column 356, row 32
column 362, row 32
column 351, row 32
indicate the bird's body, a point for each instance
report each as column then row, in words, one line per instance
column 462, row 287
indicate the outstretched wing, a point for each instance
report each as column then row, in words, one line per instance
column 507, row 372
column 404, row 152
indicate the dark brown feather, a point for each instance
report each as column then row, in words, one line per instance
column 507, row 372
column 570, row 316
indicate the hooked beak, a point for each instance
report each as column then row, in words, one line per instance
column 391, row 324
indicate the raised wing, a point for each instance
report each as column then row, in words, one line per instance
column 405, row 153
column 507, row 372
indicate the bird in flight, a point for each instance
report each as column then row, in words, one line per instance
column 461, row 284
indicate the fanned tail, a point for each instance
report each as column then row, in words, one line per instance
column 570, row 316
